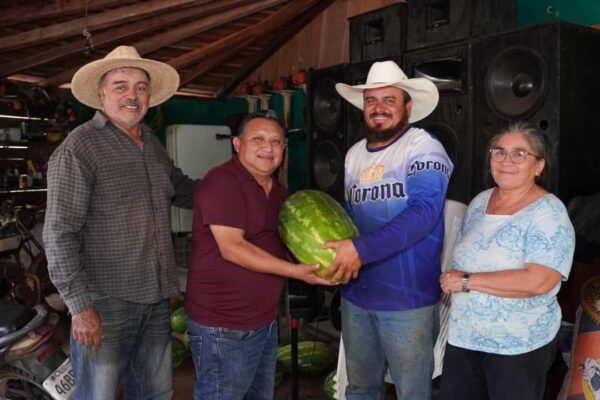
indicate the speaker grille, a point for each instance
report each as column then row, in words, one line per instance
column 328, row 166
column 327, row 106
column 327, row 139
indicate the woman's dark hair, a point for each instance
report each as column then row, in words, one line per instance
column 264, row 114
column 536, row 140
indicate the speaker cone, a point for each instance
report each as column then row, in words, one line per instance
column 327, row 106
column 516, row 82
column 328, row 166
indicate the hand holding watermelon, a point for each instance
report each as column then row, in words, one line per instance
column 307, row 220
column 346, row 263
column 309, row 274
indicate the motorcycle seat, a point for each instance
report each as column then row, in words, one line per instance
column 14, row 316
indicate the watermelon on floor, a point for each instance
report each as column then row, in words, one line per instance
column 179, row 320
column 314, row 357
column 329, row 386
column 179, row 352
column 310, row 218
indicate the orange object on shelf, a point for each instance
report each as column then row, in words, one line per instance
column 299, row 78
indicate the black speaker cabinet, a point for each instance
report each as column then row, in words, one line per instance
column 449, row 67
column 432, row 22
column 326, row 127
column 547, row 76
column 379, row 33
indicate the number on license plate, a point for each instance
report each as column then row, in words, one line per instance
column 61, row 383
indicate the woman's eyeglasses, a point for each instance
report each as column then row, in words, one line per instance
column 516, row 156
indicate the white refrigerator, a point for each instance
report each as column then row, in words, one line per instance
column 196, row 149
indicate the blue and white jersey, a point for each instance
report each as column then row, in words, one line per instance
column 540, row 233
column 395, row 196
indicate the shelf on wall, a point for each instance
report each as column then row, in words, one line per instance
column 25, row 190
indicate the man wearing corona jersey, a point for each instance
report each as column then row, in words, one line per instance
column 395, row 180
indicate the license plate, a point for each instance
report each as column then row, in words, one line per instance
column 61, row 383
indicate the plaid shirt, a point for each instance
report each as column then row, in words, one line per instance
column 107, row 227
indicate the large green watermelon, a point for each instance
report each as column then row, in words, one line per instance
column 310, row 218
column 179, row 320
column 314, row 357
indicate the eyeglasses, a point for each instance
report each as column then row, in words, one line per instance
column 516, row 156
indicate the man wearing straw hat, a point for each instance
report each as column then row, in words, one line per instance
column 395, row 180
column 107, row 231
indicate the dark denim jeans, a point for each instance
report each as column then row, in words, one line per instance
column 135, row 351
column 475, row 375
column 233, row 364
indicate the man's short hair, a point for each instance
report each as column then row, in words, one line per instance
column 263, row 114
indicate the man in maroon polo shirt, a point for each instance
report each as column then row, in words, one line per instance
column 238, row 266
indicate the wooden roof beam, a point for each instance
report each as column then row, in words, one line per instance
column 49, row 9
column 215, row 59
column 273, row 45
column 92, row 22
column 176, row 34
column 232, row 43
column 114, row 35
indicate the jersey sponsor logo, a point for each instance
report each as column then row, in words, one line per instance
column 372, row 174
column 428, row 165
column 381, row 192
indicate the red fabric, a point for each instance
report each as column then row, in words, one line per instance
column 220, row 293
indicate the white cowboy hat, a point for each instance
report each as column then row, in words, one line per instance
column 423, row 92
column 164, row 79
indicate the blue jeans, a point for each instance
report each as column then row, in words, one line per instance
column 400, row 340
column 233, row 364
column 135, row 351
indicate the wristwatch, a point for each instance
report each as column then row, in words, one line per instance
column 465, row 281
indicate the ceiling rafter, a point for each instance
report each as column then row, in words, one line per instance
column 215, row 59
column 272, row 44
column 214, row 44
column 91, row 22
column 160, row 40
column 114, row 35
column 280, row 17
column 56, row 8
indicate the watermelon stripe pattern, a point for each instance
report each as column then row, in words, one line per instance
column 314, row 357
column 310, row 218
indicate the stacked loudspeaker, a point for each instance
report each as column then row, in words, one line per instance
column 488, row 74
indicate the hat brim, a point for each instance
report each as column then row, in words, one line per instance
column 164, row 79
column 423, row 93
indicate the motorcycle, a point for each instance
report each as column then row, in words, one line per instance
column 32, row 363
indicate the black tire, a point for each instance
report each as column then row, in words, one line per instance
column 16, row 384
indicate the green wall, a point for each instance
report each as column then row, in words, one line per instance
column 582, row 12
column 193, row 111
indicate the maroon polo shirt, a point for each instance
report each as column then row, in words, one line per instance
column 220, row 293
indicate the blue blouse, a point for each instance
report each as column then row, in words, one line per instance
column 541, row 233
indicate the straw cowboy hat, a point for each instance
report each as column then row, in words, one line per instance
column 164, row 79
column 423, row 92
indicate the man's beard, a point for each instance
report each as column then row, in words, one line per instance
column 379, row 135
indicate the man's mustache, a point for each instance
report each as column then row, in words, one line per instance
column 376, row 114
column 127, row 103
